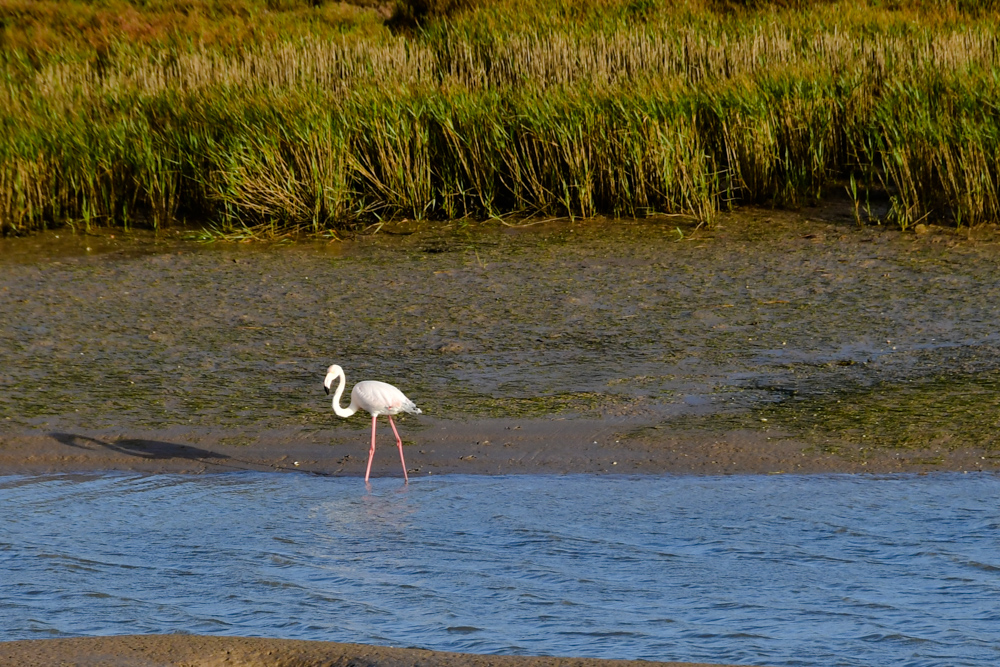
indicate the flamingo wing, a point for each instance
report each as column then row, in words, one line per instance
column 380, row 398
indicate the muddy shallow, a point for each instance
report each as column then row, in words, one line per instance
column 780, row 341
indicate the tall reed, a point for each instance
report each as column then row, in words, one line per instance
column 679, row 114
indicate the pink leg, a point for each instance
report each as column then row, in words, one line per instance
column 399, row 443
column 371, row 452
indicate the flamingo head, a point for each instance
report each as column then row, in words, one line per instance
column 332, row 373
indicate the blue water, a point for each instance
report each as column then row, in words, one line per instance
column 780, row 570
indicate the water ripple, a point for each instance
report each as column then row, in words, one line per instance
column 835, row 570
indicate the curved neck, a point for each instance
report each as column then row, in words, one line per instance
column 342, row 412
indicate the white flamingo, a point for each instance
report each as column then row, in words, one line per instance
column 376, row 398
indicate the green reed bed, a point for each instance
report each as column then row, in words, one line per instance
column 683, row 112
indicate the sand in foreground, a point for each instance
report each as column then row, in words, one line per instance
column 200, row 651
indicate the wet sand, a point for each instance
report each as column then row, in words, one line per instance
column 487, row 446
column 201, row 651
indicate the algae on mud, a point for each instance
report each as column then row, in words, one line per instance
column 618, row 325
column 943, row 413
column 933, row 415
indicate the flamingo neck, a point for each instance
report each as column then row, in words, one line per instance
column 342, row 412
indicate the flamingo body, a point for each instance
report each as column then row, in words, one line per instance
column 380, row 398
column 376, row 398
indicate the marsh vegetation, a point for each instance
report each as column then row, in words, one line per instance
column 253, row 116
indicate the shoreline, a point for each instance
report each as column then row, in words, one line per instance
column 481, row 447
column 210, row 651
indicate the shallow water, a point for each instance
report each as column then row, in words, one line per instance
column 779, row 570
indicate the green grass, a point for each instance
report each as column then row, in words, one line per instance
column 275, row 116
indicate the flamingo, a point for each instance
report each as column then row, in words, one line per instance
column 376, row 398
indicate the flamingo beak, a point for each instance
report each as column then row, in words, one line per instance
column 326, row 389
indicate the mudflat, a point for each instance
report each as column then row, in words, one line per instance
column 777, row 342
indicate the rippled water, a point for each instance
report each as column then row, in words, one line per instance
column 776, row 570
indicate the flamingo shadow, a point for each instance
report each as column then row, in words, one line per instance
column 146, row 449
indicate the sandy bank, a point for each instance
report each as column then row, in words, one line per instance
column 486, row 446
column 199, row 651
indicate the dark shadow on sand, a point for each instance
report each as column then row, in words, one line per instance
column 157, row 450
column 147, row 449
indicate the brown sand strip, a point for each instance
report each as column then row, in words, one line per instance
column 485, row 446
column 200, row 651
